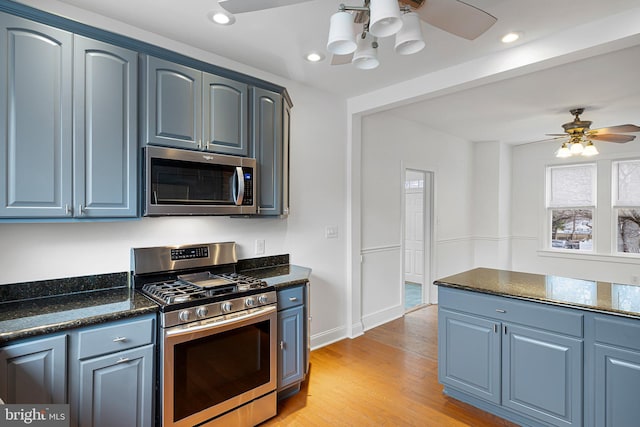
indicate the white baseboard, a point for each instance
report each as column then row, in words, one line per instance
column 383, row 316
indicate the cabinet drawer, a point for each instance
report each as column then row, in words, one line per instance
column 617, row 331
column 534, row 314
column 290, row 297
column 115, row 337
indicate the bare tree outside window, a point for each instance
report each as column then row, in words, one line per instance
column 629, row 230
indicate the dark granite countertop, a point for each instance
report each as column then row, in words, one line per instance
column 89, row 300
column 605, row 297
column 281, row 276
column 49, row 306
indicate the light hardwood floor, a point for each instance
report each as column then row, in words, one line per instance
column 387, row 377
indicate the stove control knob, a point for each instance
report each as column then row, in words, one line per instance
column 263, row 299
column 184, row 315
column 226, row 307
column 202, row 311
column 250, row 302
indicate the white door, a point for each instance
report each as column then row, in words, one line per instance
column 414, row 227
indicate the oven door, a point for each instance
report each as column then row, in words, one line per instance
column 213, row 366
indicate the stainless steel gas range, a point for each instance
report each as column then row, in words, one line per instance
column 217, row 335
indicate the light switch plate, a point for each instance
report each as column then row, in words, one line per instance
column 331, row 232
column 259, row 247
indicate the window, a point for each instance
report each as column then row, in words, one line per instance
column 626, row 205
column 571, row 204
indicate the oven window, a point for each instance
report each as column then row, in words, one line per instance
column 175, row 182
column 213, row 369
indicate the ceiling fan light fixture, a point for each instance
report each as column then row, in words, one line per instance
column 314, row 57
column 384, row 18
column 590, row 149
column 342, row 36
column 409, row 39
column 366, row 55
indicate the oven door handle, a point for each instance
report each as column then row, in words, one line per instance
column 254, row 313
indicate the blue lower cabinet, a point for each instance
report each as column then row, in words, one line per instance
column 616, row 368
column 542, row 375
column 117, row 389
column 111, row 374
column 293, row 338
column 522, row 361
column 34, row 371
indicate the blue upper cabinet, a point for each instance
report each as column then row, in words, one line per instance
column 105, row 128
column 188, row 108
column 269, row 145
column 225, row 115
column 172, row 104
column 55, row 165
column 35, row 109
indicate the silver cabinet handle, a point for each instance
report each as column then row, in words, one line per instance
column 81, row 209
column 119, row 339
column 68, row 210
column 293, row 299
column 281, row 345
column 499, row 310
column 123, row 360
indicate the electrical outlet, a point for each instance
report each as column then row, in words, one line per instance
column 259, row 249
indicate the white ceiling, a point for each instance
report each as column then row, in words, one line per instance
column 522, row 109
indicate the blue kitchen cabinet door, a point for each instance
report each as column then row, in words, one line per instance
column 469, row 354
column 267, row 146
column 105, row 129
column 35, row 109
column 172, row 104
column 225, row 115
column 34, row 371
column 617, row 380
column 117, row 389
column 542, row 375
column 291, row 367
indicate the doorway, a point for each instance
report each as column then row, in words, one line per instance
column 417, row 237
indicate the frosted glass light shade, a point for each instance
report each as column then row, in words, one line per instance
column 564, row 151
column 342, row 36
column 590, row 149
column 409, row 39
column 366, row 56
column 576, row 148
column 384, row 18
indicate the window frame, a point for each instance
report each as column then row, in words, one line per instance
column 617, row 205
column 550, row 207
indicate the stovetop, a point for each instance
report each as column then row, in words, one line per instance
column 196, row 282
column 213, row 287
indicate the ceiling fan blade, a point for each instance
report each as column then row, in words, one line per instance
column 242, row 6
column 542, row 140
column 456, row 17
column 341, row 59
column 556, row 134
column 620, row 128
column 612, row 137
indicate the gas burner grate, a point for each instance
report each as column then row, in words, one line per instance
column 174, row 292
column 244, row 282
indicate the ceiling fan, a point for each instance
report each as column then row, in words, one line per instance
column 453, row 16
column 581, row 137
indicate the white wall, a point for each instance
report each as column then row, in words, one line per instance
column 529, row 217
column 389, row 144
column 31, row 252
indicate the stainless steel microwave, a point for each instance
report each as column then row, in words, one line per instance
column 184, row 182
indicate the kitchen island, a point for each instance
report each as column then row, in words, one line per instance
column 541, row 350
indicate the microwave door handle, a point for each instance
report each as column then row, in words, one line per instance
column 238, row 186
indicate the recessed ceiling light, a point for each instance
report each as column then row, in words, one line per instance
column 314, row 57
column 511, row 37
column 222, row 17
